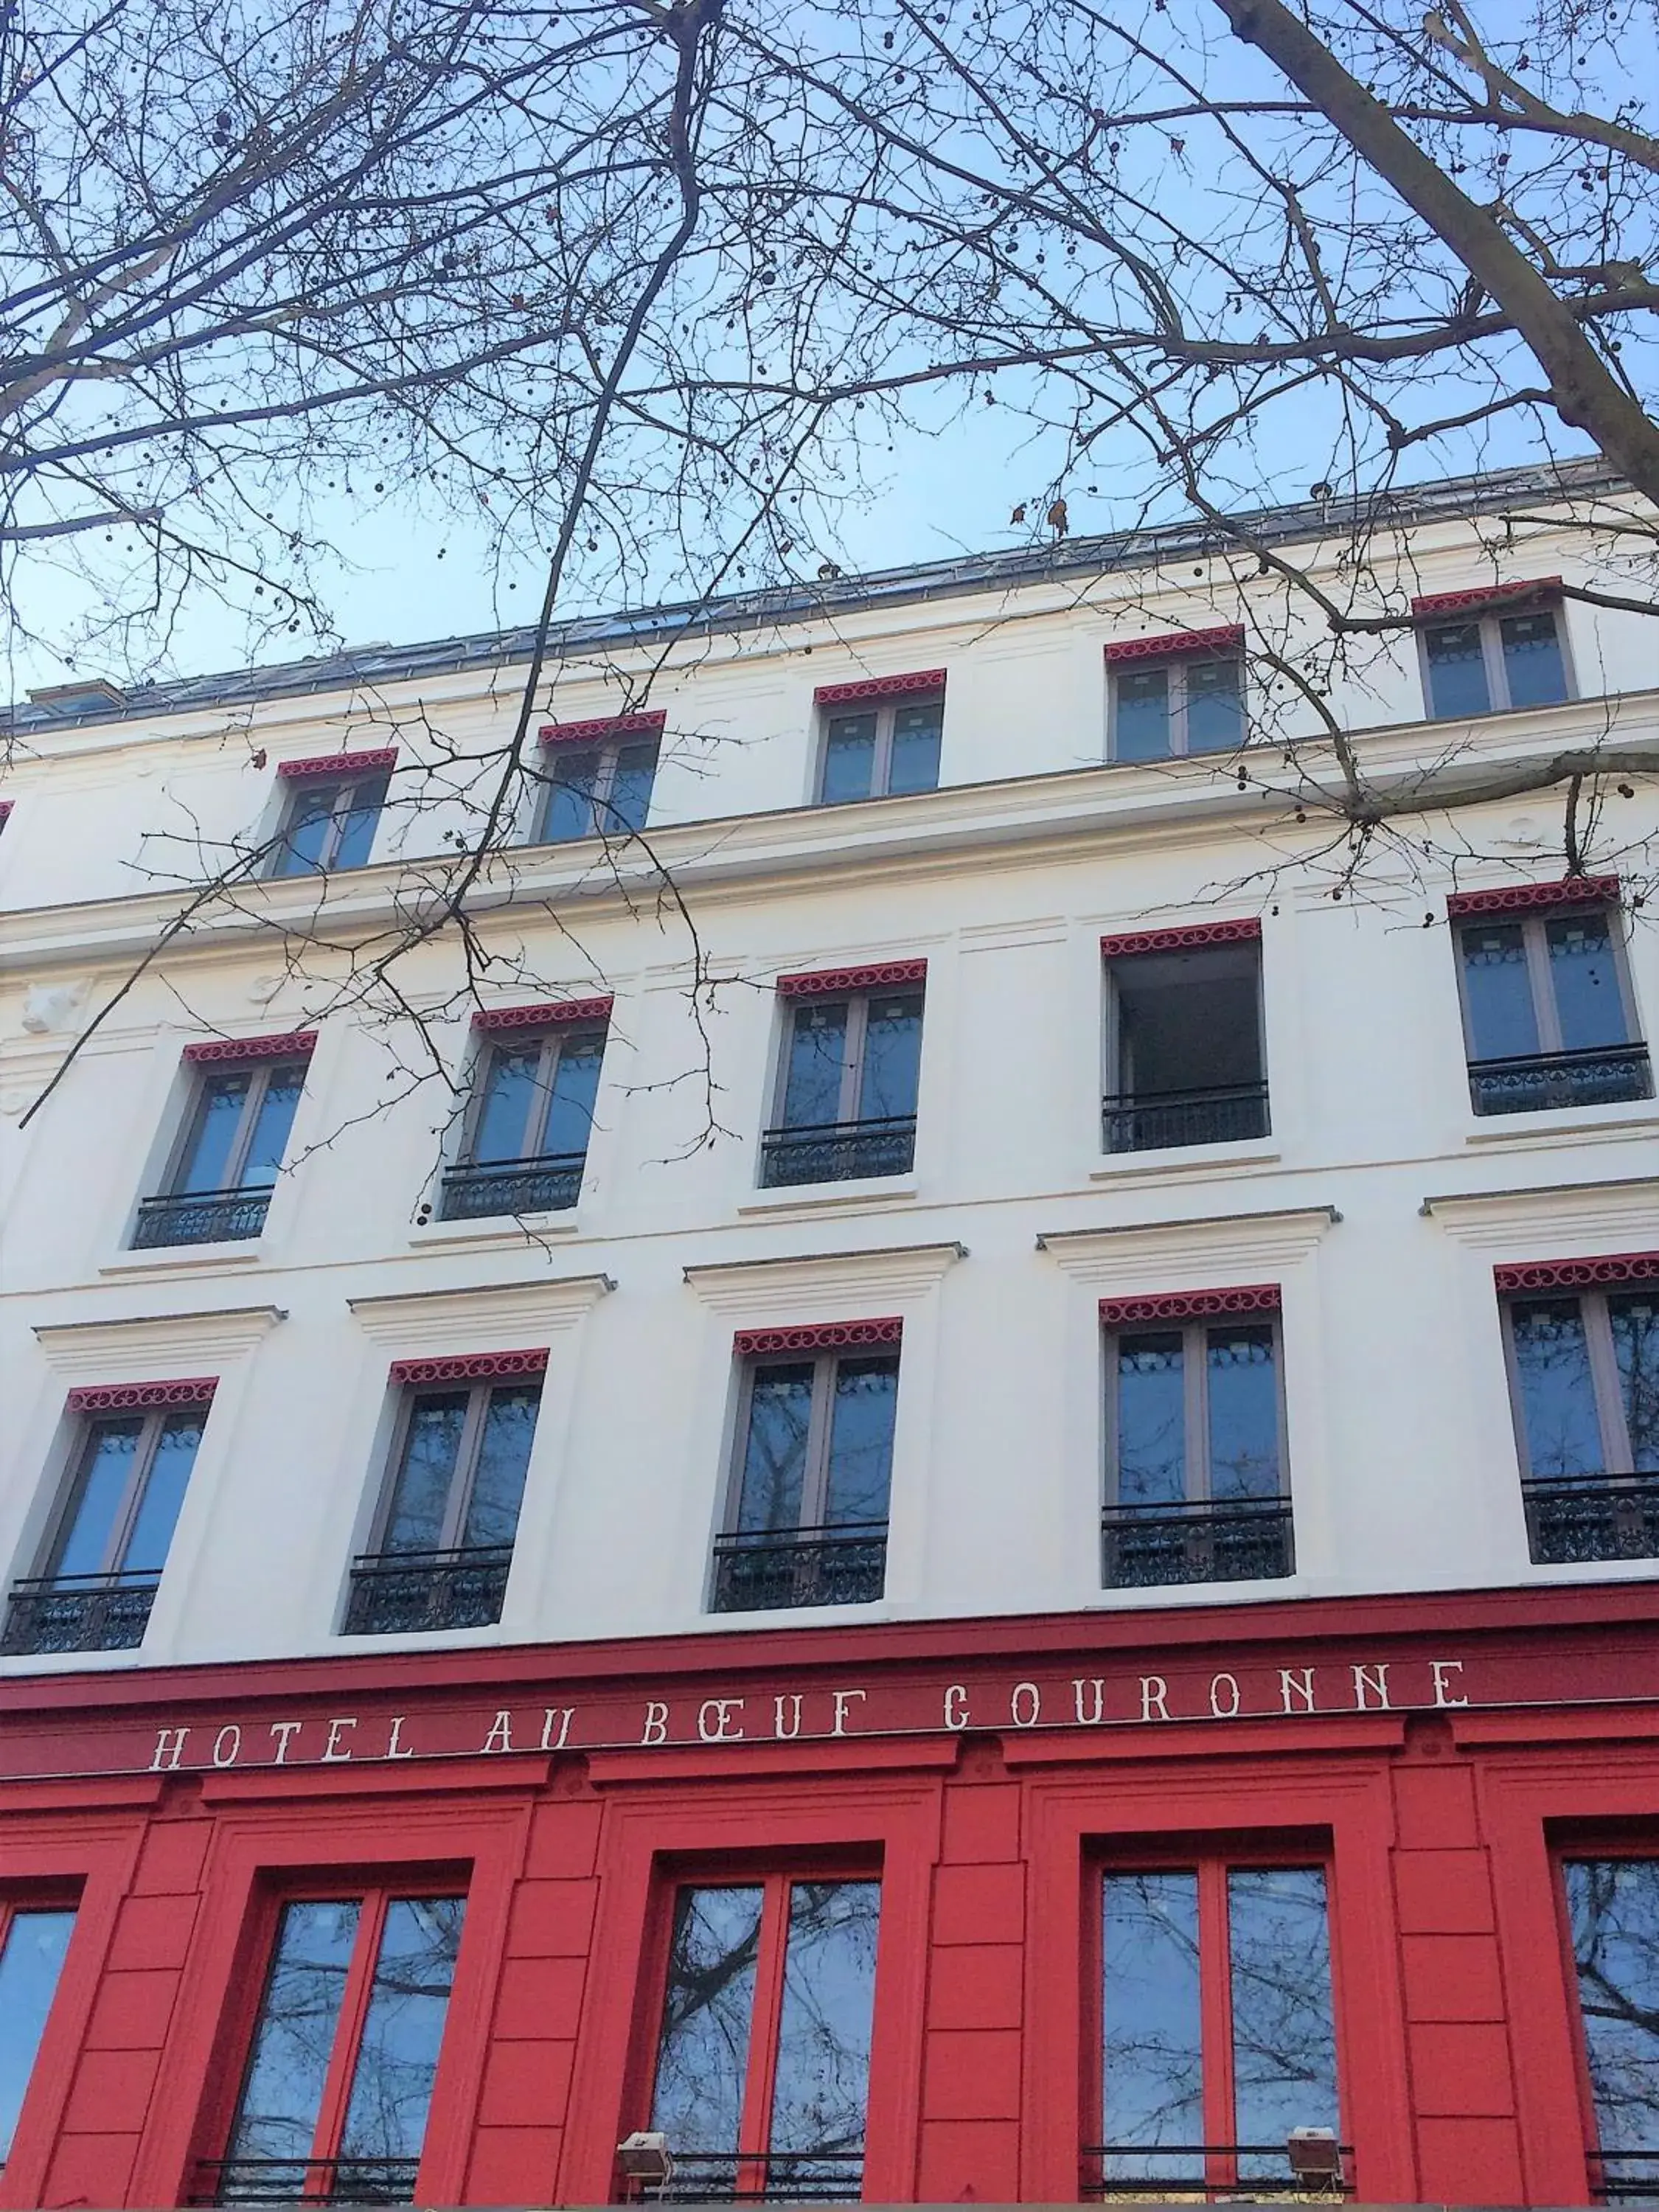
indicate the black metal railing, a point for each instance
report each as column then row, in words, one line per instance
column 545, row 1184
column 203, row 1216
column 395, row 1591
column 1607, row 1076
column 1575, row 1517
column 78, row 1612
column 1243, row 1539
column 306, row 2181
column 1638, row 2184
column 809, row 2177
column 1221, row 1113
column 1201, row 2173
column 838, row 1152
column 762, row 1571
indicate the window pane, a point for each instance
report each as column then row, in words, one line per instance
column 1284, row 2024
column 29, row 1967
column 1215, row 706
column 575, row 1082
column 916, row 732
column 213, row 1132
column 861, row 1440
column 818, row 1053
column 398, row 2057
column 1188, row 1021
column 282, row 2092
column 357, row 824
column 1557, row 1394
column 1151, row 1420
column 306, row 832
column 703, row 2052
column 509, row 1430
column 1498, row 992
column 892, row 1059
column 1153, row 2091
column 1141, row 723
column 270, row 1128
column 111, row 1452
column 823, row 2080
column 1634, row 1316
column 1585, row 983
column 1457, row 670
column 509, row 1094
column 164, row 1492
column 415, row 1522
column 1613, row 1906
column 849, row 758
column 571, row 801
column 1244, row 1396
column 1533, row 666
column 775, row 1450
column 629, row 800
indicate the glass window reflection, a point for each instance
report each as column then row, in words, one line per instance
column 1153, row 2089
column 1613, row 1907
column 33, row 1947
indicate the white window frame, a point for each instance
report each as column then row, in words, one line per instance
column 552, row 1041
column 815, row 1479
column 608, row 752
column 852, row 1073
column 346, row 789
column 263, row 1073
column 886, row 712
column 1176, row 665
column 464, row 1476
column 1195, row 1377
column 1536, row 945
column 1491, row 651
column 1616, row 1447
column 154, row 1419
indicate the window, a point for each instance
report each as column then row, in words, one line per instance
column 1476, row 660
column 1584, row 1375
column 1219, row 2028
column 1177, row 696
column 763, row 2049
column 344, row 2051
column 443, row 1542
column 1548, row 1013
column 598, row 776
column 847, row 1092
column 332, row 811
column 1612, row 1914
column 808, row 1518
column 1184, row 1056
column 880, row 749
column 104, row 1564
column 32, row 1943
column 235, row 1134
column 1196, row 1488
column 526, row 1140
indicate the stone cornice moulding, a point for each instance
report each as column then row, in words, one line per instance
column 1620, row 1216
column 191, row 1342
column 1143, row 1256
column 789, row 1290
column 475, row 1317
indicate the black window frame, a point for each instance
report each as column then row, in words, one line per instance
column 1490, row 619
column 347, row 802
column 1176, row 666
column 886, row 712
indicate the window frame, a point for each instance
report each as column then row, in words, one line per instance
column 1194, row 1375
column 1176, row 665
column 263, row 1073
column 464, row 1475
column 852, row 1072
column 1112, row 1037
column 815, row 1476
column 1598, row 1848
column 345, row 804
column 17, row 1901
column 1490, row 619
column 607, row 752
column 1610, row 1415
column 552, row 1039
column 155, row 1419
column 1547, row 1014
column 886, row 712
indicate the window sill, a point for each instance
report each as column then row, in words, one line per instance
column 183, row 1259
column 832, row 1197
column 492, row 1230
column 1629, row 1117
column 1170, row 1163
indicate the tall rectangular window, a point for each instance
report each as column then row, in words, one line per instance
column 224, row 1170
column 33, row 1942
column 848, row 1088
column 1192, row 702
column 339, row 2083
column 1547, row 1013
column 525, row 1145
column 1584, row 1376
column 598, row 790
column 1218, row 2025
column 1477, row 663
column 763, row 2060
column 330, row 821
column 1613, row 1912
column 1184, row 1056
column 881, row 749
column 443, row 1535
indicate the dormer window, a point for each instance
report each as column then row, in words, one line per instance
column 1178, row 694
column 1488, row 649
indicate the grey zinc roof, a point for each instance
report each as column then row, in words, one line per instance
column 920, row 581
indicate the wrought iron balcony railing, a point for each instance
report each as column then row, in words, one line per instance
column 762, row 1571
column 1624, row 2176
column 306, row 2181
column 1200, row 2173
column 545, row 1184
column 1608, row 1076
column 202, row 1217
column 78, row 1612
column 806, row 2176
column 838, row 1152
column 393, row 1592
column 1142, row 1121
column 1240, row 1539
column 1576, row 1517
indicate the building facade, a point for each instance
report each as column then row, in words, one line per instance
column 937, row 1478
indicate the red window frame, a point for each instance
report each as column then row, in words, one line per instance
column 1619, row 1843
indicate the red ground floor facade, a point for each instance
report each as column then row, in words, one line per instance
column 978, row 1821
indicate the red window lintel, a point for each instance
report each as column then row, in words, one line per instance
column 1185, row 937
column 1179, row 645
column 1523, row 898
column 341, row 763
column 293, row 1044
column 604, row 728
column 876, row 687
column 1613, row 1268
column 1189, row 1305
column 470, row 1367
column 1485, row 595
column 818, row 1336
column 546, row 1016
column 132, row 1397
column 831, row 982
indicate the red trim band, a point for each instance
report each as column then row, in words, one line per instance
column 1577, row 1274
column 1186, row 938
column 296, row 1044
column 604, row 726
column 879, row 687
column 1177, row 644
column 830, row 983
column 1520, row 898
column 821, row 1336
column 129, row 1397
column 543, row 1017
column 1190, row 1305
column 469, row 1367
column 1484, row 595
column 341, row 763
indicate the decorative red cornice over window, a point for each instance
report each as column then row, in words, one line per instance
column 341, row 763
column 1189, row 1305
column 136, row 1397
column 1187, row 938
column 543, row 1017
column 6, row 806
column 1179, row 644
column 604, row 729
column 831, row 982
column 470, row 1367
column 1485, row 595
column 1577, row 1274
column 1524, row 898
column 924, row 680
column 294, row 1044
column 820, row 1336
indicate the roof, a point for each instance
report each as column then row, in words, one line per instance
column 1446, row 499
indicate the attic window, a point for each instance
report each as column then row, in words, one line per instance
column 88, row 695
